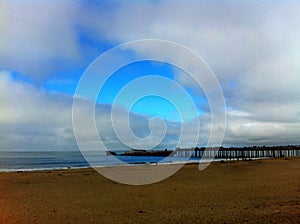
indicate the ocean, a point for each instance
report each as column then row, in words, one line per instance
column 50, row 160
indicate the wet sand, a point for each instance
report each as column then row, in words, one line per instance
column 261, row 191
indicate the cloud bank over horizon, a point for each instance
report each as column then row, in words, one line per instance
column 252, row 47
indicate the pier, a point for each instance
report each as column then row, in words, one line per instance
column 239, row 153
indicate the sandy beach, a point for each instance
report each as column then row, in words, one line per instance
column 260, row 191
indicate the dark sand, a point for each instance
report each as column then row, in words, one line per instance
column 261, row 191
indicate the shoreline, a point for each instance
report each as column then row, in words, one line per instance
column 183, row 163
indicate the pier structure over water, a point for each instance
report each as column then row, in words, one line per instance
column 240, row 153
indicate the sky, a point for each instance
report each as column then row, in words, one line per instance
column 252, row 47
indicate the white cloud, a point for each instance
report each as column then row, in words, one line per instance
column 38, row 36
column 33, row 119
column 252, row 47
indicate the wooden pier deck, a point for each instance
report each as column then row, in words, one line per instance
column 240, row 153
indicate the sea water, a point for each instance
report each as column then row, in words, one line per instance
column 51, row 160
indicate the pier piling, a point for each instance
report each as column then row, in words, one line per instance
column 240, row 153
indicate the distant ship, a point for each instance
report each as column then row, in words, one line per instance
column 140, row 152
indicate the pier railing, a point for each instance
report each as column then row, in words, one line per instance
column 240, row 153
